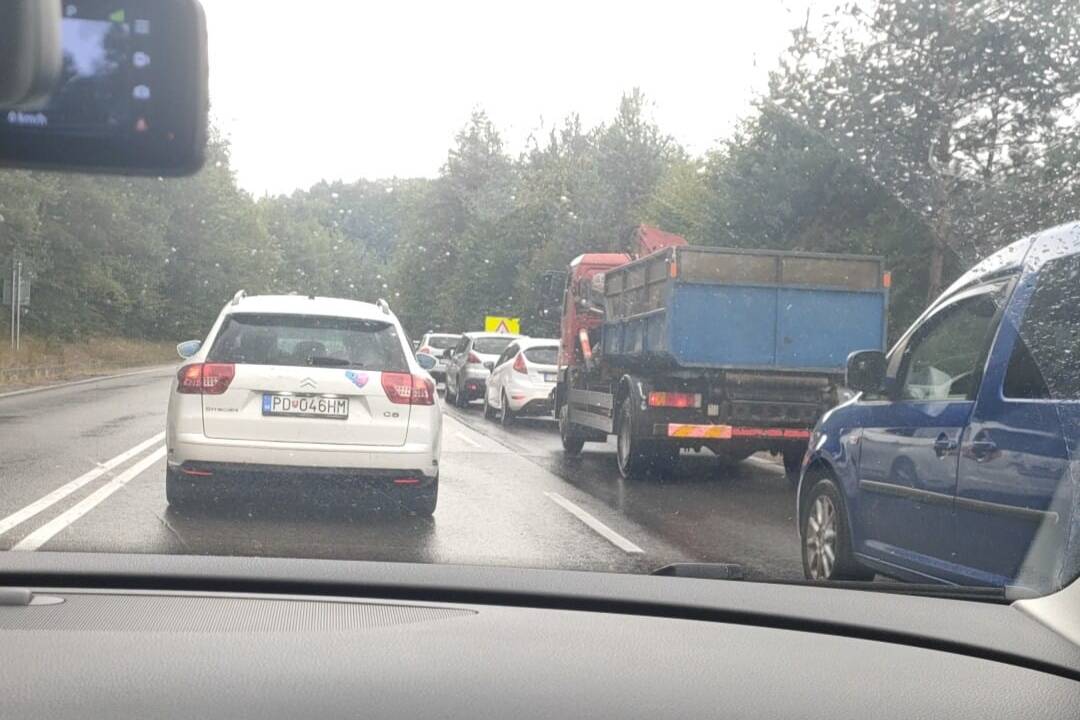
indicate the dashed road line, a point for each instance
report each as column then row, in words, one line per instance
column 47, row 501
column 600, row 528
column 47, row 531
column 467, row 439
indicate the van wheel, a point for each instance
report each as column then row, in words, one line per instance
column 826, row 539
column 572, row 443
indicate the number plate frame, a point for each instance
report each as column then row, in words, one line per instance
column 338, row 403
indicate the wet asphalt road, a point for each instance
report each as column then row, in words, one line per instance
column 81, row 470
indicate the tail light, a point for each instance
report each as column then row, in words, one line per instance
column 519, row 364
column 674, row 400
column 474, row 359
column 406, row 389
column 425, row 350
column 205, row 378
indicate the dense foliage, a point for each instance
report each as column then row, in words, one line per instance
column 930, row 132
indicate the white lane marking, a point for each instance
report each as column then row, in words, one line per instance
column 466, row 438
column 46, row 532
column 601, row 529
column 46, row 501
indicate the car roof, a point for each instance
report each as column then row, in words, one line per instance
column 308, row 305
column 478, row 335
column 439, row 334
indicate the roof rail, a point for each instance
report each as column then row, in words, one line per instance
column 240, row 295
column 383, row 305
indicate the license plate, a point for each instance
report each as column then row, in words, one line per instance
column 315, row 406
column 549, row 377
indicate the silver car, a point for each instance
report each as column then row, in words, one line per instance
column 469, row 364
column 435, row 345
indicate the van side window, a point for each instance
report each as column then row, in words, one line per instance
column 942, row 362
column 1045, row 362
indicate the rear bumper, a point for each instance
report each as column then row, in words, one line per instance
column 529, row 398
column 187, row 449
column 219, row 474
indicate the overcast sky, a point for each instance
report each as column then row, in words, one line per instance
column 344, row 89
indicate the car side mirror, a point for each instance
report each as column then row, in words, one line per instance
column 866, row 371
column 426, row 361
column 448, row 353
column 188, row 348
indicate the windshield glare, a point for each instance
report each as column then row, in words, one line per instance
column 804, row 278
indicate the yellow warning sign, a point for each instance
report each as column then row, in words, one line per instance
column 507, row 325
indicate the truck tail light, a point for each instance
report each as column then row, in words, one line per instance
column 205, row 378
column 473, row 359
column 674, row 400
column 406, row 389
column 519, row 364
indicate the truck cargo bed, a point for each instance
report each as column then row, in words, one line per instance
column 698, row 307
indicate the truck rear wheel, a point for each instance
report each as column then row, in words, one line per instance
column 638, row 457
column 572, row 442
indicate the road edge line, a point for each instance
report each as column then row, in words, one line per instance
column 594, row 524
column 64, row 520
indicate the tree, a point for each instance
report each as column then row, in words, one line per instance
column 950, row 104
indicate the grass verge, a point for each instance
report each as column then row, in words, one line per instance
column 41, row 361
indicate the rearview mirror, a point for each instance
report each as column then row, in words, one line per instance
column 426, row 361
column 131, row 95
column 188, row 348
column 866, row 371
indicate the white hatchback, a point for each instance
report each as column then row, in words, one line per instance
column 522, row 380
column 304, row 390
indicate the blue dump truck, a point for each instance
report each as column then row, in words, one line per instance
column 733, row 350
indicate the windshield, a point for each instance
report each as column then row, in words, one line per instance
column 442, row 342
column 491, row 346
column 805, row 276
column 307, row 340
column 543, row 355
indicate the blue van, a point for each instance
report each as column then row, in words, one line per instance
column 957, row 461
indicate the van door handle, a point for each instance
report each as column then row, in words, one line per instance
column 982, row 447
column 944, row 445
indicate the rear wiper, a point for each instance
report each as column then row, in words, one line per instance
column 327, row 361
column 734, row 571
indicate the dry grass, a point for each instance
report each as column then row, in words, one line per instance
column 42, row 361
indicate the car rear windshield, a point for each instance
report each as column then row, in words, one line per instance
column 491, row 346
column 1044, row 361
column 543, row 355
column 443, row 342
column 309, row 340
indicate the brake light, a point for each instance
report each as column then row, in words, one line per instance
column 405, row 389
column 519, row 364
column 425, row 350
column 205, row 378
column 674, row 400
column 474, row 359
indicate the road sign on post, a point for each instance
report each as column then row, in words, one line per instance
column 505, row 325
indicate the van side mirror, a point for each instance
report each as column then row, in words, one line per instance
column 425, row 361
column 866, row 371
